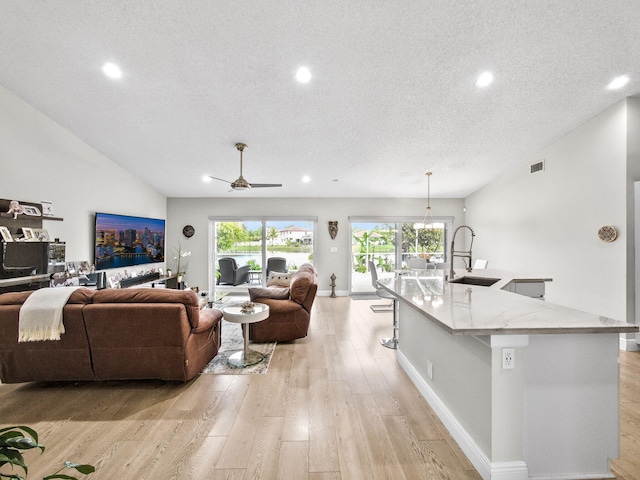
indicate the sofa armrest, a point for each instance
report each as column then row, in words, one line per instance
column 209, row 317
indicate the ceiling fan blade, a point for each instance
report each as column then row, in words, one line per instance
column 265, row 185
column 221, row 179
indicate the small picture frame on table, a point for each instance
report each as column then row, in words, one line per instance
column 40, row 234
column 71, row 268
column 6, row 234
column 84, row 267
column 28, row 234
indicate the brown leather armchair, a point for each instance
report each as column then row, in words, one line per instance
column 289, row 308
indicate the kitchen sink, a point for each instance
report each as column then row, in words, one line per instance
column 480, row 281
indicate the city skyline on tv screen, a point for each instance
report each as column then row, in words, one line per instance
column 126, row 241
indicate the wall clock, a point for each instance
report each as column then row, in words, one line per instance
column 188, row 231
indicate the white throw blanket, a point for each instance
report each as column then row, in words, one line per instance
column 41, row 314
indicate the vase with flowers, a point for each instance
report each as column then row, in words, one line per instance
column 180, row 254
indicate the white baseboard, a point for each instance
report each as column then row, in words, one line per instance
column 573, row 477
column 629, row 344
column 516, row 470
column 327, row 293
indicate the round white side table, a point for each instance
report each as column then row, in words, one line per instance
column 246, row 357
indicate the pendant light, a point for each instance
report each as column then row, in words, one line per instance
column 427, row 221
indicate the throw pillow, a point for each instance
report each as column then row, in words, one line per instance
column 278, row 279
column 273, row 292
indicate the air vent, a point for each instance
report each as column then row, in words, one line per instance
column 537, row 167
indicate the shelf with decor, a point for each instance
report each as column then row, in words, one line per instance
column 20, row 218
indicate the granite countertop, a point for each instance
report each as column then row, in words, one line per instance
column 478, row 310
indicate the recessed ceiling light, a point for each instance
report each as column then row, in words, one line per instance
column 306, row 179
column 618, row 82
column 112, row 70
column 303, row 75
column 206, row 178
column 484, row 79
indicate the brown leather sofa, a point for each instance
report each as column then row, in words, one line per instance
column 134, row 333
column 289, row 312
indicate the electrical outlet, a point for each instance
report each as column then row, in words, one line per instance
column 429, row 369
column 508, row 358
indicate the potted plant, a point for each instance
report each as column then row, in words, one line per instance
column 180, row 254
column 13, row 440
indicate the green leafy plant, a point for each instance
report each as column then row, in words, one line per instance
column 13, row 440
column 253, row 265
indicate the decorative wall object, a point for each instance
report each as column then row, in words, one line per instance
column 333, row 229
column 607, row 234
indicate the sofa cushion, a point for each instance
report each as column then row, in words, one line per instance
column 275, row 293
column 279, row 279
column 80, row 296
column 152, row 295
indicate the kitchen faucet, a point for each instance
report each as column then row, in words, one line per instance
column 461, row 253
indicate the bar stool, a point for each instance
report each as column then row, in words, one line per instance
column 390, row 342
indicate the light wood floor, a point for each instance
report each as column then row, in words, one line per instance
column 335, row 405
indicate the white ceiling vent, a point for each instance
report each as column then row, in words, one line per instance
column 537, row 167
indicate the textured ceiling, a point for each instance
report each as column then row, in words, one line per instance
column 392, row 94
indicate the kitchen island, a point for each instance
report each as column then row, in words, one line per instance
column 527, row 388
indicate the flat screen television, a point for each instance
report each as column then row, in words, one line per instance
column 126, row 241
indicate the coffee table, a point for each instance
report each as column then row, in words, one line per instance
column 246, row 357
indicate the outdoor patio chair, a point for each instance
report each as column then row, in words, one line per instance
column 276, row 264
column 231, row 274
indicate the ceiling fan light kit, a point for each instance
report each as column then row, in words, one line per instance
column 241, row 183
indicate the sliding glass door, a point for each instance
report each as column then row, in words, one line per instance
column 372, row 243
column 253, row 242
column 388, row 243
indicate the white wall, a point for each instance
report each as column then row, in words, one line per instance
column 548, row 222
column 196, row 212
column 41, row 160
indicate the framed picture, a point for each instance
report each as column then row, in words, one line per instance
column 47, row 209
column 71, row 268
column 6, row 234
column 40, row 234
column 28, row 234
column 31, row 210
column 84, row 267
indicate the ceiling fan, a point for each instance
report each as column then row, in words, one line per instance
column 241, row 183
